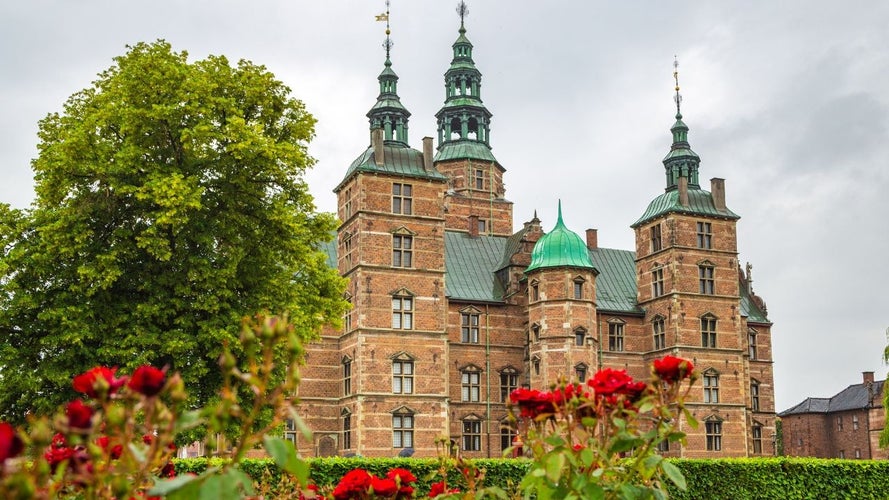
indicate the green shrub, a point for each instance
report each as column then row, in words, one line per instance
column 727, row 478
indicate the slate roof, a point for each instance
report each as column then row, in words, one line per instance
column 397, row 160
column 700, row 202
column 854, row 397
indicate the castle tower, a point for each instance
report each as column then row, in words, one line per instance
column 561, row 308
column 476, row 193
column 688, row 286
column 393, row 345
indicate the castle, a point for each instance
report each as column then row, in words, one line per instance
column 452, row 309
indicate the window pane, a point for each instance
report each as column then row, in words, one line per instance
column 408, row 368
column 408, row 190
column 406, row 242
column 408, row 303
column 396, row 385
column 408, row 321
column 408, row 261
column 396, row 320
column 408, row 439
column 408, row 385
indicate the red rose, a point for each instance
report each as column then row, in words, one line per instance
column 440, row 488
column 115, row 451
column 532, row 402
column 353, row 484
column 98, row 380
column 55, row 456
column 383, row 487
column 672, row 369
column 610, row 382
column 147, row 439
column 147, row 380
column 562, row 395
column 10, row 442
column 79, row 414
column 403, row 476
column 168, row 470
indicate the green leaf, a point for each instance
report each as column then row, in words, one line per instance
column 164, row 487
column 554, row 464
column 285, row 457
column 674, row 474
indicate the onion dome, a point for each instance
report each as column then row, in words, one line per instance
column 560, row 247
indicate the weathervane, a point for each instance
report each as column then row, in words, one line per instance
column 678, row 97
column 462, row 11
column 388, row 43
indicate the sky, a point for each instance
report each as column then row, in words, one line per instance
column 788, row 101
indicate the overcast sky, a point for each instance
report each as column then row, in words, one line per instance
column 788, row 101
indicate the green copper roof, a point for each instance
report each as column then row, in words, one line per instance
column 616, row 281
column 469, row 266
column 463, row 150
column 561, row 247
column 750, row 309
column 397, row 160
column 700, row 202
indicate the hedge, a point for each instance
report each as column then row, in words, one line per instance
column 729, row 478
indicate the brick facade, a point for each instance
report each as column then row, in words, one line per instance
column 847, row 425
column 445, row 321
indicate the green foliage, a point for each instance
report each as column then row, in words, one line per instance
column 170, row 204
column 730, row 479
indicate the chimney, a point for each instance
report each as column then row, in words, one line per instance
column 473, row 226
column 376, row 140
column 592, row 239
column 717, row 189
column 427, row 154
column 868, row 377
column 683, row 190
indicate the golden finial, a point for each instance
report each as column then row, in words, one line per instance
column 678, row 97
column 385, row 17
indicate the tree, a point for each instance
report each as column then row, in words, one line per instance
column 170, row 204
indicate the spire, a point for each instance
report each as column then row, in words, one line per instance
column 388, row 113
column 681, row 161
column 463, row 121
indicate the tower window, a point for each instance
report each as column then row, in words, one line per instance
column 711, row 387
column 660, row 335
column 470, row 385
column 616, row 337
column 580, row 371
column 347, row 377
column 403, row 430
column 482, row 226
column 854, row 422
column 754, row 395
column 402, row 377
column 402, row 250
column 402, row 313
column 536, row 365
column 656, row 238
column 472, row 435
column 657, row 282
column 535, row 292
column 756, row 432
column 347, row 249
column 708, row 331
column 705, row 235
column 707, row 284
column 751, row 344
column 402, row 201
column 535, row 331
column 469, row 328
column 347, row 204
column 579, row 337
column 714, row 435
column 509, row 381
column 840, row 423
column 479, row 179
column 578, row 288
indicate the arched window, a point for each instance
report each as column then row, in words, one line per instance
column 659, row 332
column 403, row 428
column 579, row 336
column 509, row 381
column 347, row 429
column 580, row 372
column 472, row 433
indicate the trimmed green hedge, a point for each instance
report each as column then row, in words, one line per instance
column 735, row 479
